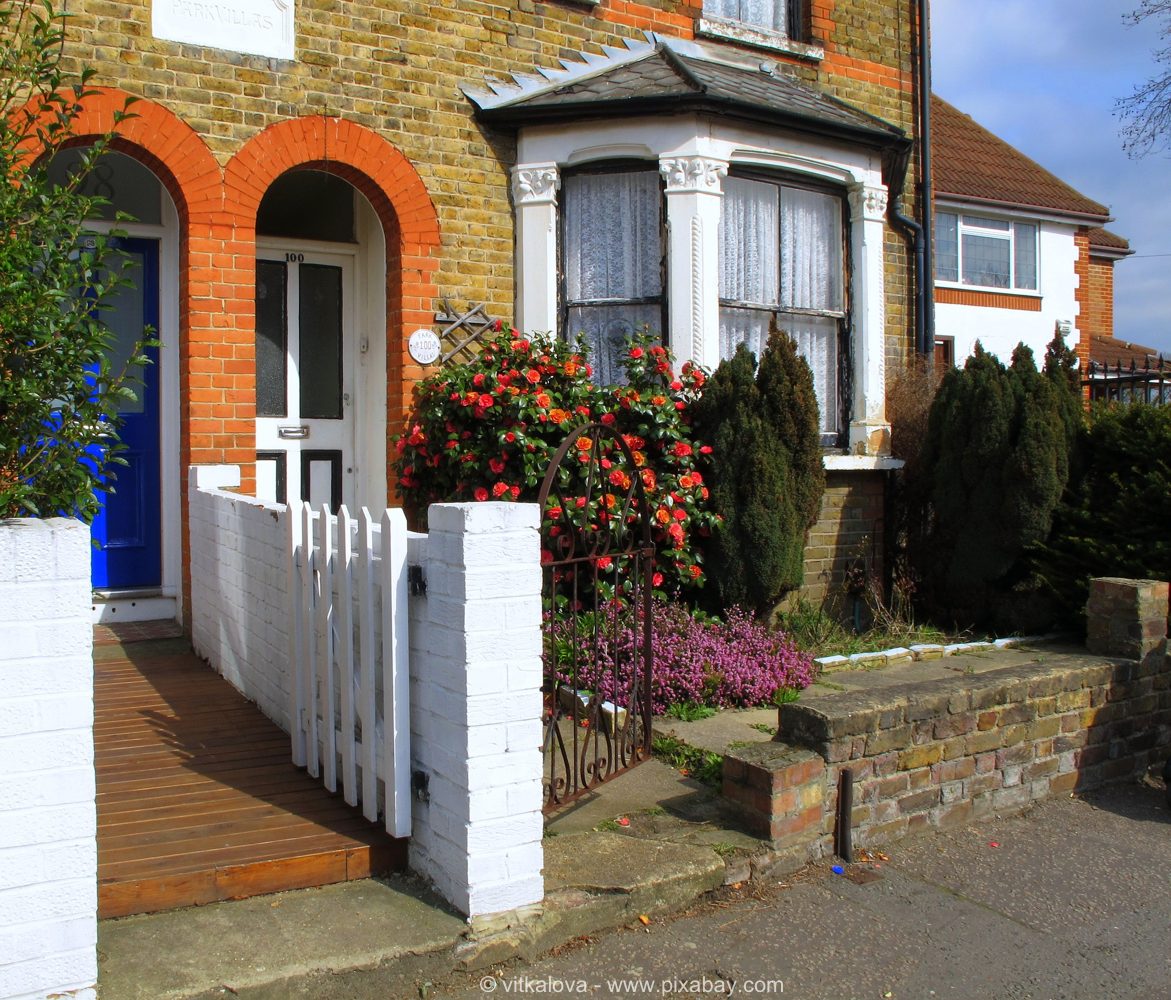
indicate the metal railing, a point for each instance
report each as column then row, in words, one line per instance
column 1129, row 383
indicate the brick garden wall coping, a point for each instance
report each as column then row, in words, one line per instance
column 945, row 751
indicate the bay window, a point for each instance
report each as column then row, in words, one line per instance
column 985, row 252
column 781, row 254
column 612, row 262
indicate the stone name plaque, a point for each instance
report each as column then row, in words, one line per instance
column 256, row 27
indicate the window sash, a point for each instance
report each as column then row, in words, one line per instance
column 767, row 270
column 986, row 253
column 612, row 262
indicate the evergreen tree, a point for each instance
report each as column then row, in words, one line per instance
column 998, row 451
column 765, row 473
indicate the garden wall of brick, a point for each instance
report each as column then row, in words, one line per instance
column 944, row 752
column 48, row 817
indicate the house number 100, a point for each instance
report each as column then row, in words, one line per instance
column 295, row 258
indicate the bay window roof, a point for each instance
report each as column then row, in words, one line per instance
column 670, row 76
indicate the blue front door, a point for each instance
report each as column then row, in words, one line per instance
column 128, row 530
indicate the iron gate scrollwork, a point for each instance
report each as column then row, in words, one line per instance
column 597, row 556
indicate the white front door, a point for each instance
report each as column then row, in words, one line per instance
column 305, row 376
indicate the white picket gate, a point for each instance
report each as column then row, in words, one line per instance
column 348, row 644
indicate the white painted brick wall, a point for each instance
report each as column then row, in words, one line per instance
column 476, row 706
column 475, row 672
column 239, row 588
column 48, row 820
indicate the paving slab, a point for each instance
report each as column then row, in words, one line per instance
column 727, row 727
column 266, row 939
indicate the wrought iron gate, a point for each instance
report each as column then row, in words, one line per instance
column 598, row 561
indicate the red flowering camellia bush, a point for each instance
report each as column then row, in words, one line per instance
column 488, row 430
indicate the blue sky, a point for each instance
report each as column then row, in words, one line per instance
column 1044, row 76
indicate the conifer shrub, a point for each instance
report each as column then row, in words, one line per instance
column 765, row 473
column 998, row 451
column 1115, row 516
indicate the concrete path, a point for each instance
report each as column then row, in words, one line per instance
column 1071, row 900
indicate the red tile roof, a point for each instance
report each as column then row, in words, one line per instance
column 1112, row 351
column 1108, row 244
column 972, row 164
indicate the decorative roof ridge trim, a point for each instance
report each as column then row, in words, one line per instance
column 501, row 92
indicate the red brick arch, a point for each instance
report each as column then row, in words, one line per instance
column 393, row 187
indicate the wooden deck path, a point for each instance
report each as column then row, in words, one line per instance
column 197, row 798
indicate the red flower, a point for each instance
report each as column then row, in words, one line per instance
column 681, row 449
column 499, row 489
column 498, row 325
column 533, row 375
column 496, row 465
column 481, row 494
column 604, row 563
column 514, row 492
column 636, row 352
column 608, row 419
column 485, row 401
column 657, row 580
column 680, row 514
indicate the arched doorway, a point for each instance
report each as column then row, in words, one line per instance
column 320, row 343
column 136, row 561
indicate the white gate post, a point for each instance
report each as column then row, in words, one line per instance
column 476, row 708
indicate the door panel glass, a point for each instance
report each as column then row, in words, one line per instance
column 125, row 318
column 272, row 329
column 320, row 363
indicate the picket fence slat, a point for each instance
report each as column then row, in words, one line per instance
column 345, row 653
column 396, row 674
column 351, row 669
column 369, row 705
column 296, row 638
column 308, row 674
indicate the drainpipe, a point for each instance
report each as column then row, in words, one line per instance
column 920, row 233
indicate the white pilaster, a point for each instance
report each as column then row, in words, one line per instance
column 476, row 708
column 869, row 428
column 694, row 193
column 534, row 195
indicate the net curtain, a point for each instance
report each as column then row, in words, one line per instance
column 780, row 252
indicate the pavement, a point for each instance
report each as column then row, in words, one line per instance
column 653, row 843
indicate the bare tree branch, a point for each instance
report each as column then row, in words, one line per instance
column 1147, row 112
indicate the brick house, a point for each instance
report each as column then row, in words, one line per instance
column 1018, row 252
column 312, row 180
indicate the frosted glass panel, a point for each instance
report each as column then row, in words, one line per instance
column 125, row 318
column 271, row 338
column 320, row 362
column 1025, row 244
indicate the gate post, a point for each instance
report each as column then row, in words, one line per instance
column 476, row 708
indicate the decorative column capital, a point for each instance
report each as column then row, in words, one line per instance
column 868, row 201
column 536, row 184
column 693, row 173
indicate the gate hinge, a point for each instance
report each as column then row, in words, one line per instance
column 416, row 581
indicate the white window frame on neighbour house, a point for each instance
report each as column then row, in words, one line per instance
column 961, row 235
column 694, row 156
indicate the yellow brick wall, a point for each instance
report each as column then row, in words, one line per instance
column 396, row 66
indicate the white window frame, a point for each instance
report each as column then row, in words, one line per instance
column 968, row 223
column 694, row 154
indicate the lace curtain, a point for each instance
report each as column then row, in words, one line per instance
column 613, row 252
column 780, row 251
